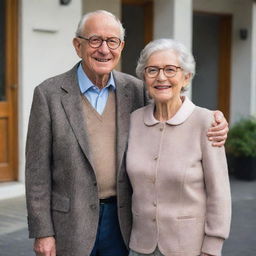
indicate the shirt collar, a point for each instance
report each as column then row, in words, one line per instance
column 85, row 83
column 182, row 114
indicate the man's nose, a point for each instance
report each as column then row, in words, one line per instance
column 104, row 48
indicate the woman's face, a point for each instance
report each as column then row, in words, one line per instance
column 162, row 88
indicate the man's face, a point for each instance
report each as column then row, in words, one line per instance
column 99, row 62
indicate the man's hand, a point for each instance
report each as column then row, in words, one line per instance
column 45, row 246
column 219, row 130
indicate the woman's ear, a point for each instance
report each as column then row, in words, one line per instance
column 187, row 79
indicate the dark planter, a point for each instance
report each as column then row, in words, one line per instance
column 244, row 168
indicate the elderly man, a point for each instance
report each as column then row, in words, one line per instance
column 78, row 193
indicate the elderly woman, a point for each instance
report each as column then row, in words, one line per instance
column 181, row 195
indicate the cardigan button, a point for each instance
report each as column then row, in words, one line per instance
column 156, row 157
column 161, row 129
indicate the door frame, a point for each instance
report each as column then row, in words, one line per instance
column 9, row 107
column 224, row 61
column 225, row 65
column 148, row 6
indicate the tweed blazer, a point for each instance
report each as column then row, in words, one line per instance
column 181, row 194
column 61, row 186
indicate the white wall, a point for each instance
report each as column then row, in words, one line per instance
column 241, row 60
column 163, row 19
column 173, row 18
column 46, row 32
column 253, row 61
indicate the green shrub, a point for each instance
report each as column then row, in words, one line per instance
column 242, row 138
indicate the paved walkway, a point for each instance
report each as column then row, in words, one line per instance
column 242, row 242
column 13, row 228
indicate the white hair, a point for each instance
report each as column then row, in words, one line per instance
column 88, row 15
column 185, row 57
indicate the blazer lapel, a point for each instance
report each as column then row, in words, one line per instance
column 73, row 106
column 123, row 106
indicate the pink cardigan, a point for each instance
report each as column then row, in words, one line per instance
column 181, row 194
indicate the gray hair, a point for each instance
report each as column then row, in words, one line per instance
column 88, row 15
column 185, row 57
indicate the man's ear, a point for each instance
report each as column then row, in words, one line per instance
column 77, row 46
column 122, row 45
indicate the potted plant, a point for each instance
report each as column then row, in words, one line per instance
column 241, row 149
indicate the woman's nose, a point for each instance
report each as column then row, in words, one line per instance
column 161, row 76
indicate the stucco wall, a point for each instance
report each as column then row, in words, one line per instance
column 253, row 61
column 46, row 32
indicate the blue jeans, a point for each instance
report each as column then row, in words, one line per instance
column 109, row 241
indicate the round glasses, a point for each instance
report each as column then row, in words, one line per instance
column 169, row 71
column 96, row 41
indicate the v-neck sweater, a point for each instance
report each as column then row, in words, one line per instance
column 101, row 132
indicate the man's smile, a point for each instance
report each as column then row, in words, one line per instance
column 102, row 60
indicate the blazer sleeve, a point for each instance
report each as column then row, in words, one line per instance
column 38, row 168
column 218, row 204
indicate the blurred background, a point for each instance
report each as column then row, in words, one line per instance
column 36, row 43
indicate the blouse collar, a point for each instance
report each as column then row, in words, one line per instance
column 181, row 115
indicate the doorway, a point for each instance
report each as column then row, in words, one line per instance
column 212, row 51
column 8, row 90
column 137, row 18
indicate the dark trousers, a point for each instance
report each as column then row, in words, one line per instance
column 109, row 241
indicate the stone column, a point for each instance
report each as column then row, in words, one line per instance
column 173, row 19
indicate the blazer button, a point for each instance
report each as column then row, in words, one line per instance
column 95, row 183
column 93, row 206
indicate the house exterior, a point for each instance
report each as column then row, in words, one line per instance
column 37, row 43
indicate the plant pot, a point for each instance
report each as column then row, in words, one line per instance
column 244, row 168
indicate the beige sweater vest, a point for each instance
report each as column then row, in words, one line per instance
column 101, row 130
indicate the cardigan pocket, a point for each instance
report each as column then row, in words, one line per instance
column 191, row 233
column 185, row 217
column 60, row 203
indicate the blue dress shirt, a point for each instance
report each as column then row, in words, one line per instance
column 97, row 97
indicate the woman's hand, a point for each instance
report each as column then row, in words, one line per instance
column 219, row 130
column 205, row 254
